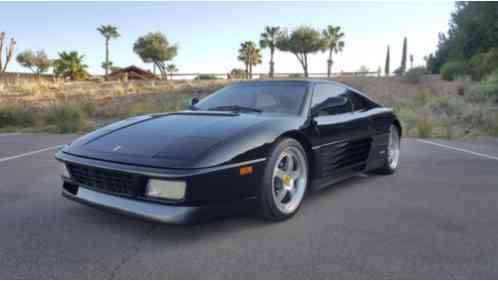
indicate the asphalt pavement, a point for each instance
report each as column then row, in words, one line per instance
column 436, row 218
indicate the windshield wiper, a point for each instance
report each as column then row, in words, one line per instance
column 236, row 108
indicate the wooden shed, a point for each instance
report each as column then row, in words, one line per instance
column 132, row 73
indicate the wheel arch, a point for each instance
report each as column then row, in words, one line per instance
column 301, row 138
column 398, row 125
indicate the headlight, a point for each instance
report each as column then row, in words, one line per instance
column 63, row 170
column 174, row 190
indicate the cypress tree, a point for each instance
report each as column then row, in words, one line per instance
column 403, row 58
column 386, row 67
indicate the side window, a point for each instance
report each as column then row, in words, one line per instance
column 323, row 92
column 359, row 102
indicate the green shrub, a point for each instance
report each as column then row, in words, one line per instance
column 206, row 77
column 237, row 73
column 422, row 98
column 446, row 111
column 493, row 122
column 143, row 107
column 414, row 75
column 492, row 77
column 476, row 66
column 447, row 106
column 65, row 117
column 483, row 64
column 424, row 127
column 398, row 71
column 16, row 116
column 89, row 108
column 449, row 131
column 407, row 116
column 452, row 70
column 296, row 75
column 484, row 90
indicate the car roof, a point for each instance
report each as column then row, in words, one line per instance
column 310, row 82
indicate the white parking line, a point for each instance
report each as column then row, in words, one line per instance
column 30, row 153
column 460, row 149
column 9, row 134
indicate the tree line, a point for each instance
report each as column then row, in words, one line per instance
column 151, row 48
column 470, row 46
column 156, row 49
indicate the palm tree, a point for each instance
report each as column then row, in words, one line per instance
column 250, row 55
column 244, row 56
column 171, row 68
column 70, row 65
column 268, row 39
column 334, row 38
column 254, row 59
column 109, row 32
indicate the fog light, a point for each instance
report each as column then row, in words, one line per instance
column 174, row 190
column 63, row 171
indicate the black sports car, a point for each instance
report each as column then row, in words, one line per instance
column 267, row 142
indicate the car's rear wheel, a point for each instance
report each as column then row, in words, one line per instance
column 285, row 180
column 393, row 152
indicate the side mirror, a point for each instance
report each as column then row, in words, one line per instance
column 335, row 102
column 332, row 102
column 194, row 101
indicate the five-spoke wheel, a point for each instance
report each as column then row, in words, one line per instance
column 285, row 180
column 289, row 179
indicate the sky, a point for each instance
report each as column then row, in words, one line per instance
column 209, row 33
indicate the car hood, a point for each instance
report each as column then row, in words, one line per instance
column 177, row 140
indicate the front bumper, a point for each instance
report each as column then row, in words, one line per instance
column 211, row 192
column 147, row 210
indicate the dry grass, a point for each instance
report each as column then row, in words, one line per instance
column 58, row 106
column 430, row 108
column 105, row 95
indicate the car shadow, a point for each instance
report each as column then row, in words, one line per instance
column 229, row 223
column 337, row 187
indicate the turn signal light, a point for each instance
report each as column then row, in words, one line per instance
column 246, row 170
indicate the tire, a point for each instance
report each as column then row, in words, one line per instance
column 391, row 163
column 285, row 181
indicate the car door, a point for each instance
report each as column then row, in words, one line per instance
column 380, row 119
column 340, row 139
column 362, row 115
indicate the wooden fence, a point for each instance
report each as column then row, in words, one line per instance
column 276, row 75
column 16, row 76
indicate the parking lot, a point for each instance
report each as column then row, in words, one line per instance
column 437, row 217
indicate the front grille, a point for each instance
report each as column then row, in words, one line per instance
column 107, row 180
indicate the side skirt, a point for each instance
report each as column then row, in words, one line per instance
column 318, row 184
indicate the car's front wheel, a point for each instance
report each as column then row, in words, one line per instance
column 285, row 180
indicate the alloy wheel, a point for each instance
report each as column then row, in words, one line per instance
column 393, row 148
column 290, row 177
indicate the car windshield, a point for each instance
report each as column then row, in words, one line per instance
column 272, row 97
